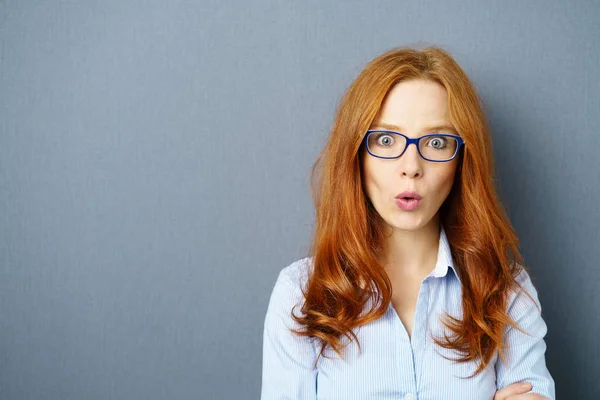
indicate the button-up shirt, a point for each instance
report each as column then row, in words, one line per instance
column 392, row 364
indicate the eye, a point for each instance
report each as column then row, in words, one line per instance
column 437, row 142
column 384, row 139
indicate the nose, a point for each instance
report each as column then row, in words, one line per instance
column 411, row 162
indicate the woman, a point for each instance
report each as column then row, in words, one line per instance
column 414, row 287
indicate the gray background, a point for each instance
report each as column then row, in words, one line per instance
column 154, row 161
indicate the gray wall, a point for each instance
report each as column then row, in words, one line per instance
column 154, row 161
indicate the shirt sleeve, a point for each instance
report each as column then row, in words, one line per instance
column 525, row 355
column 287, row 367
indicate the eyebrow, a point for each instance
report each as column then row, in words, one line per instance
column 435, row 128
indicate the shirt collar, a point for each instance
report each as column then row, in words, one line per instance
column 444, row 258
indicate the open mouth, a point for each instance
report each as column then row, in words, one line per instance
column 407, row 203
column 408, row 195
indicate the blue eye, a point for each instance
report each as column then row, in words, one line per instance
column 387, row 140
column 438, row 142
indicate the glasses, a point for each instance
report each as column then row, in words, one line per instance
column 436, row 147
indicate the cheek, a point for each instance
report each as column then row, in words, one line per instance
column 445, row 180
column 374, row 181
column 370, row 184
column 377, row 175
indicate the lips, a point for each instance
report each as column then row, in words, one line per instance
column 409, row 195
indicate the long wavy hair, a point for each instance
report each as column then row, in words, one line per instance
column 347, row 243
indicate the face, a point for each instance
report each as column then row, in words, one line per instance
column 413, row 108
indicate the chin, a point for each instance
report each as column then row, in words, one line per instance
column 407, row 223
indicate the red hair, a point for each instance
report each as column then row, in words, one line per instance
column 347, row 241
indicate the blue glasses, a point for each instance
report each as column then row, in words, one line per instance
column 435, row 147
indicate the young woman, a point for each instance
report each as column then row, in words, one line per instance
column 414, row 287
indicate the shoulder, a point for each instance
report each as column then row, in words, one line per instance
column 291, row 282
column 287, row 294
column 296, row 274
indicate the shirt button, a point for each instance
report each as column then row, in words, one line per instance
column 409, row 396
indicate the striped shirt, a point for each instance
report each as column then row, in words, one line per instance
column 393, row 365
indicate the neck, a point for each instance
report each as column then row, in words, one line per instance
column 413, row 253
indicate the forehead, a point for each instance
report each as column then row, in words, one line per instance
column 415, row 102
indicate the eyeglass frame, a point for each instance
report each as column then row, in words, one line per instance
column 409, row 141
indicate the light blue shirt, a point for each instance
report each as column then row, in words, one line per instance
column 393, row 365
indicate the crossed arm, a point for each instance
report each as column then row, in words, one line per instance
column 518, row 391
column 525, row 369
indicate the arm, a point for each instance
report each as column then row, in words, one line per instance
column 287, row 369
column 525, row 359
